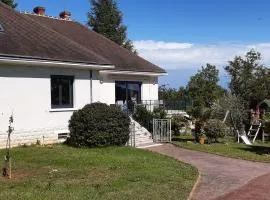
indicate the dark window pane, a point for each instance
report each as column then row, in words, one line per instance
column 66, row 92
column 134, row 92
column 62, row 91
column 120, row 91
column 128, row 91
column 54, row 92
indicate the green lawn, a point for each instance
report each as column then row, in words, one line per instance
column 257, row 152
column 63, row 172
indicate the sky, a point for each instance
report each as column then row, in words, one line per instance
column 183, row 35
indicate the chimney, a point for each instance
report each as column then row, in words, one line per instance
column 65, row 15
column 39, row 10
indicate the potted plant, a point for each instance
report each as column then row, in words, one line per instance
column 201, row 138
column 198, row 130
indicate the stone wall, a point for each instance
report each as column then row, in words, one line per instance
column 26, row 137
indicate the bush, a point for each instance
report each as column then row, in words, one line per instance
column 97, row 125
column 215, row 129
column 145, row 117
column 159, row 113
column 178, row 123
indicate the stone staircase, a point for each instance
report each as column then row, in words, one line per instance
column 143, row 138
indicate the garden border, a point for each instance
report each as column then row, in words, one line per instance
column 195, row 185
column 255, row 161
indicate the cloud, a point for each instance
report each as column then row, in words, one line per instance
column 175, row 55
column 160, row 45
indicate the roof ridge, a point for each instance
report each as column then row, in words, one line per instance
column 61, row 35
column 46, row 16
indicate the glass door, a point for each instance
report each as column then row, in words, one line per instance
column 128, row 93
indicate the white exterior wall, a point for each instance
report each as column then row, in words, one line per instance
column 26, row 92
column 149, row 88
column 107, row 90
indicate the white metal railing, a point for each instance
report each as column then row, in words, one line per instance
column 131, row 142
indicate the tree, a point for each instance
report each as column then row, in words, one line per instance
column 174, row 99
column 203, row 87
column 249, row 78
column 204, row 90
column 106, row 18
column 10, row 3
column 172, row 94
column 237, row 116
column 165, row 93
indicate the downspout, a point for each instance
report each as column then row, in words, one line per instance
column 91, row 85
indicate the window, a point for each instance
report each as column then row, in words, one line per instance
column 128, row 91
column 1, row 28
column 62, row 91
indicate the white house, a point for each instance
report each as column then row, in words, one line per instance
column 50, row 67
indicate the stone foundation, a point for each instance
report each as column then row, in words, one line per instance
column 30, row 137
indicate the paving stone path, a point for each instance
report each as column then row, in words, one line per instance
column 223, row 178
column 258, row 188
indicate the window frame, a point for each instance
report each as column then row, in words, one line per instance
column 126, row 89
column 2, row 30
column 71, row 86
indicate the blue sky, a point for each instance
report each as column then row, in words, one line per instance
column 182, row 35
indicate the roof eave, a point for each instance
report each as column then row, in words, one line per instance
column 52, row 63
column 141, row 73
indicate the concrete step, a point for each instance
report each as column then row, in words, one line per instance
column 144, row 143
column 143, row 140
column 142, row 135
column 148, row 145
column 140, row 139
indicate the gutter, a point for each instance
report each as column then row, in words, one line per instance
column 46, row 63
column 133, row 73
column 91, row 85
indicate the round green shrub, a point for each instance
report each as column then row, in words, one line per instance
column 178, row 123
column 98, row 125
column 215, row 129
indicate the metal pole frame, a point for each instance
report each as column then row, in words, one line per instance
column 170, row 130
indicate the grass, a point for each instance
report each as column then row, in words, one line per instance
column 62, row 172
column 258, row 152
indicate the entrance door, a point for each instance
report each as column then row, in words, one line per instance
column 128, row 93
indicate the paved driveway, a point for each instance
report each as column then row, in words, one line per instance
column 258, row 188
column 219, row 175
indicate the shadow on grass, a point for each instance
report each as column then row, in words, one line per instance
column 260, row 150
column 179, row 139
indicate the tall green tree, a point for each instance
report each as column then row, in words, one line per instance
column 106, row 18
column 203, row 89
column 166, row 93
column 172, row 94
column 10, row 3
column 250, row 79
column 203, row 86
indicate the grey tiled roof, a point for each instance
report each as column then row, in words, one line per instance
column 48, row 38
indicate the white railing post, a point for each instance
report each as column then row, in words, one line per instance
column 170, row 130
column 154, row 131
